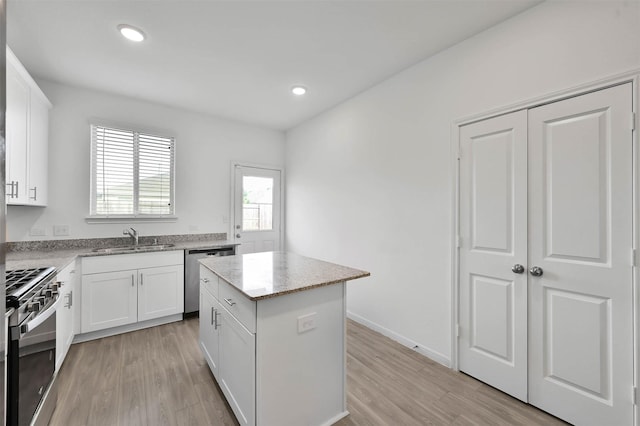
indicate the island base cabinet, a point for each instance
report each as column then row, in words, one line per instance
column 301, row 370
column 292, row 370
column 209, row 335
column 237, row 351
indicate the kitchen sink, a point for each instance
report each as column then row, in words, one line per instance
column 133, row 249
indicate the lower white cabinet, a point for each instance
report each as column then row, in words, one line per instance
column 65, row 315
column 160, row 292
column 229, row 349
column 209, row 334
column 237, row 374
column 109, row 299
column 124, row 289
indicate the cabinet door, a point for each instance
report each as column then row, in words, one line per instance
column 237, row 367
column 160, row 292
column 17, row 133
column 65, row 314
column 209, row 336
column 109, row 300
column 38, row 150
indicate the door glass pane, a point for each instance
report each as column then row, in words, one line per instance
column 257, row 203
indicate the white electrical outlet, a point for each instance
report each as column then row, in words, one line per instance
column 306, row 322
column 60, row 230
column 37, row 232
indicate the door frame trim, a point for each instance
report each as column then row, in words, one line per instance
column 231, row 236
column 632, row 77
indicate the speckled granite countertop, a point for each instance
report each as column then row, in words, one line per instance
column 60, row 253
column 270, row 274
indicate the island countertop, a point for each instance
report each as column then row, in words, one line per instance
column 270, row 274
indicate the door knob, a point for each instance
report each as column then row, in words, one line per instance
column 536, row 271
column 237, row 235
column 517, row 268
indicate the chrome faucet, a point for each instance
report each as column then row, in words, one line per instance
column 133, row 234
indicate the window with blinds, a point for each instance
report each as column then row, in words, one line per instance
column 132, row 173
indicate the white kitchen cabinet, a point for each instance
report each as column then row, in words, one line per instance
column 229, row 346
column 160, row 292
column 27, row 131
column 38, row 164
column 118, row 290
column 209, row 335
column 238, row 367
column 109, row 299
column 65, row 314
column 267, row 368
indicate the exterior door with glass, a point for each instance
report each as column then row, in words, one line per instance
column 257, row 209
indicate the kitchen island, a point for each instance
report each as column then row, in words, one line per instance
column 273, row 331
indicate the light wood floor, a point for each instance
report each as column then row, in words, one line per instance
column 158, row 377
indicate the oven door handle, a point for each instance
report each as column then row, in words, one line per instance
column 42, row 317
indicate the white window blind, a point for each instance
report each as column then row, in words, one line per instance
column 132, row 173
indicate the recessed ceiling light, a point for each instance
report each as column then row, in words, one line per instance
column 298, row 90
column 131, row 33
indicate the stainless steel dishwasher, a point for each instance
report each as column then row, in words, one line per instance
column 192, row 275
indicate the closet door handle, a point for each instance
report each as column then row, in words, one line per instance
column 536, row 271
column 517, row 268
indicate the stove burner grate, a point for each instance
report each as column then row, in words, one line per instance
column 18, row 278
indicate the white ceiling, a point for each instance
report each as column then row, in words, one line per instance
column 238, row 59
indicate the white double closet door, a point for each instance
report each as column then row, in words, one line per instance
column 545, row 278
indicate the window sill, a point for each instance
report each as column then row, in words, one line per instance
column 129, row 219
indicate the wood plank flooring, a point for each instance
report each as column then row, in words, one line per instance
column 158, row 377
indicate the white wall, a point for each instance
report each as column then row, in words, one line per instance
column 205, row 147
column 369, row 182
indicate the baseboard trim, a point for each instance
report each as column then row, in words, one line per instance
column 429, row 353
column 93, row 335
column 335, row 419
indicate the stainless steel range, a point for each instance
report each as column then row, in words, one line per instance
column 33, row 294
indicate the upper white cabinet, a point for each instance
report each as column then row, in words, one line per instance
column 27, row 136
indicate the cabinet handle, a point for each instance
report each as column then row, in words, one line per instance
column 35, row 193
column 133, row 279
column 17, row 190
column 14, row 189
column 230, row 302
column 69, row 297
column 215, row 316
column 204, row 280
column 140, row 278
column 212, row 313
